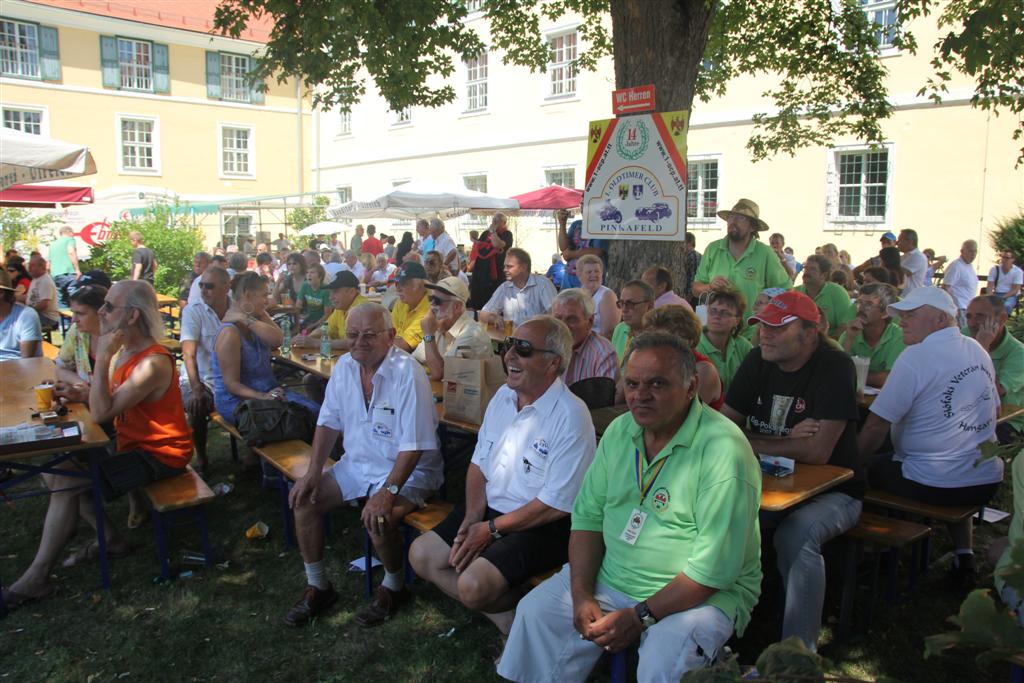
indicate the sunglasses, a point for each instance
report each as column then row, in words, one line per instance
column 207, row 285
column 437, row 301
column 523, row 348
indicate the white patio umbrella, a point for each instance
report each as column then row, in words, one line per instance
column 323, row 228
column 26, row 158
column 422, row 200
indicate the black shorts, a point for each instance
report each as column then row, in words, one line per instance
column 124, row 472
column 887, row 474
column 521, row 554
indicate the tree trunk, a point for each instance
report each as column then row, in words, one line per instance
column 658, row 42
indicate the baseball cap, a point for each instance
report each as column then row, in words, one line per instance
column 411, row 270
column 924, row 296
column 785, row 308
column 888, row 236
column 452, row 286
column 344, row 278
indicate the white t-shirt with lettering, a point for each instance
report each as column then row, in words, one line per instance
column 942, row 401
column 917, row 265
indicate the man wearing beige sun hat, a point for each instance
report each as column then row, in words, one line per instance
column 739, row 259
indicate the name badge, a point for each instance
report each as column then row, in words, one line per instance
column 634, row 525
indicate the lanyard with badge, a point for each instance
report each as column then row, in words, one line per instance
column 637, row 518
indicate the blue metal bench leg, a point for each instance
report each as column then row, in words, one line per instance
column 161, row 544
column 409, row 537
column 288, row 518
column 204, row 531
column 853, row 549
column 367, row 563
column 234, row 448
column 617, row 666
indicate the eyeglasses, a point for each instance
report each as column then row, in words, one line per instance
column 207, row 285
column 368, row 336
column 107, row 306
column 626, row 303
column 720, row 313
column 522, row 347
column 438, row 301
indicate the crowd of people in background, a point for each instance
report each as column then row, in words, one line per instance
column 717, row 360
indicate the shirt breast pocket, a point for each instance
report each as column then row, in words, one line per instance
column 383, row 424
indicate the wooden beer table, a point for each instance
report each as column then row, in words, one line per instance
column 807, row 481
column 17, row 403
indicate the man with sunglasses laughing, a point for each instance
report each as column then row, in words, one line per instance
column 665, row 550
column 448, row 330
column 533, row 449
column 379, row 401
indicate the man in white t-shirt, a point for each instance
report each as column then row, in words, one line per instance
column 333, row 266
column 352, row 263
column 535, row 444
column 915, row 264
column 379, row 401
column 1005, row 280
column 444, row 244
column 20, row 333
column 961, row 281
column 940, row 403
column 42, row 293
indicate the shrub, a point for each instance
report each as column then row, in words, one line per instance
column 1009, row 234
column 172, row 238
column 26, row 230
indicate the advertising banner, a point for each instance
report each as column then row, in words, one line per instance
column 636, row 177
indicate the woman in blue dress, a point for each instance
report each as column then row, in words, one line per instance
column 241, row 363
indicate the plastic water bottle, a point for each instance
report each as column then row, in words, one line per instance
column 286, row 344
column 325, row 343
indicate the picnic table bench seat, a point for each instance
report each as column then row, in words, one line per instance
column 182, row 497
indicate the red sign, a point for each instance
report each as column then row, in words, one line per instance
column 94, row 233
column 633, row 100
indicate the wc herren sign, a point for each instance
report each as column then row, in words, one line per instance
column 636, row 177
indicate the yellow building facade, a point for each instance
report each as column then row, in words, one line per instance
column 166, row 110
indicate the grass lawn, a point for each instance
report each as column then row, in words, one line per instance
column 225, row 624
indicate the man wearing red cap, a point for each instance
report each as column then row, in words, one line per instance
column 795, row 396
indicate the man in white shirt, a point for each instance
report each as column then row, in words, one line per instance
column 961, row 281
column 1005, row 280
column 200, row 263
column 352, row 263
column 914, row 263
column 522, row 295
column 448, row 329
column 379, row 400
column 42, row 293
column 20, row 333
column 200, row 327
column 333, row 266
column 534, row 447
column 444, row 244
column 940, row 403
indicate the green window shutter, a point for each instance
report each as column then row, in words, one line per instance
column 213, row 75
column 109, row 63
column 161, row 69
column 49, row 54
column 256, row 95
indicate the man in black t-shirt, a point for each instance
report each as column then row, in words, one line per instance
column 795, row 397
column 143, row 258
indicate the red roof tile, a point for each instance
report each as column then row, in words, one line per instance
column 187, row 15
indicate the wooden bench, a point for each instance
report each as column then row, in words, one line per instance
column 232, row 433
column 949, row 514
column 420, row 520
column 889, row 535
column 182, row 497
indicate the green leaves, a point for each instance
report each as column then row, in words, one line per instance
column 982, row 626
column 791, row 659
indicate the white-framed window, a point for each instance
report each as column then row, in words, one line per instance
column 402, row 117
column 561, row 68
column 566, row 177
column 25, row 120
column 135, row 62
column 234, row 77
column 344, row 194
column 139, row 144
column 860, row 185
column 237, row 150
column 882, row 13
column 345, row 123
column 19, row 49
column 476, row 82
column 701, row 190
column 474, row 6
column 236, row 229
column 478, row 183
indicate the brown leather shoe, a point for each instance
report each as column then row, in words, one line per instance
column 384, row 605
column 311, row 604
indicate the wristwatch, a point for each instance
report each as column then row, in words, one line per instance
column 643, row 612
column 427, row 338
column 392, row 489
column 495, row 534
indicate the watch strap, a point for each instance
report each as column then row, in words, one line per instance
column 427, row 338
column 493, row 529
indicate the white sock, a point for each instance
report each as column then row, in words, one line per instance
column 316, row 576
column 394, row 581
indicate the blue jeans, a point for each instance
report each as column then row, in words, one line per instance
column 1010, row 303
column 62, row 281
column 798, row 540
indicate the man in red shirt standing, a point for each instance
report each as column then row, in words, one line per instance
column 372, row 245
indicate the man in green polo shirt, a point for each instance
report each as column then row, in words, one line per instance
column 986, row 322
column 740, row 259
column 635, row 298
column 665, row 546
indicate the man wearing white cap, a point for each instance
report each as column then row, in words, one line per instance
column 941, row 402
column 448, row 330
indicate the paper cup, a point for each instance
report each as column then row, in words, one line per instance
column 44, row 396
column 861, row 364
